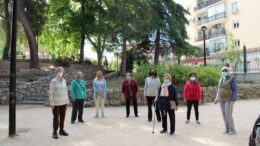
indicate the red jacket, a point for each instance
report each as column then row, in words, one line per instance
column 192, row 91
column 133, row 87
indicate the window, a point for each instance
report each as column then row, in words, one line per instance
column 235, row 25
column 220, row 8
column 234, row 7
column 237, row 43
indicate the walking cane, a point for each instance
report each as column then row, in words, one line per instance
column 155, row 108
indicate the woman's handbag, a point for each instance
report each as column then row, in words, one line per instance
column 173, row 105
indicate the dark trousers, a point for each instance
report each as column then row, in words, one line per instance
column 59, row 113
column 150, row 103
column 171, row 114
column 77, row 108
column 196, row 108
column 134, row 101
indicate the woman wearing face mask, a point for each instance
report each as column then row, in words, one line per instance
column 192, row 96
column 58, row 96
column 130, row 92
column 226, row 95
column 99, row 95
column 167, row 102
column 151, row 87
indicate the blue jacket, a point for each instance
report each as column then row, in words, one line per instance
column 103, row 88
column 78, row 89
column 164, row 102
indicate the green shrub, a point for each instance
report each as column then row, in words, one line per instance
column 207, row 76
column 179, row 73
column 142, row 72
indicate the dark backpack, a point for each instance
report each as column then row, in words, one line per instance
column 253, row 134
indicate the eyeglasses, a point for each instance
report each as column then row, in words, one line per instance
column 224, row 70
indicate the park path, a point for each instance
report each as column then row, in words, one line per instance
column 34, row 127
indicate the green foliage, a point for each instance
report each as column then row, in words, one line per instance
column 179, row 73
column 142, row 72
column 231, row 54
column 207, row 76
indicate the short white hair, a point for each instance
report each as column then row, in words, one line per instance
column 225, row 68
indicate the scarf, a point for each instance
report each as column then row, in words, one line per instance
column 164, row 91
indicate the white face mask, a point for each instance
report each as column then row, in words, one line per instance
column 60, row 74
column 192, row 78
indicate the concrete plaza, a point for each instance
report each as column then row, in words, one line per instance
column 34, row 126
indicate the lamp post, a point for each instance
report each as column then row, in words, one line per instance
column 12, row 88
column 204, row 28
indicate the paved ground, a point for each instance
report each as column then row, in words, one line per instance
column 34, row 128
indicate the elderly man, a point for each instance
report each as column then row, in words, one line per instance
column 226, row 95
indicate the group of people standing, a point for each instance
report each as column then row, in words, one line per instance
column 161, row 96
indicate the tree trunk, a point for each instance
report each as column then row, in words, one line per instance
column 7, row 31
column 179, row 60
column 34, row 58
column 157, row 47
column 82, row 39
column 123, row 63
column 99, row 52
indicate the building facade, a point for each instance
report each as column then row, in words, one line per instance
column 221, row 17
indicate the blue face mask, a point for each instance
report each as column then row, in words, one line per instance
column 166, row 81
column 225, row 74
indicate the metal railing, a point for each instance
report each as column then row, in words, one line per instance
column 202, row 5
column 252, row 61
column 212, row 34
column 211, row 19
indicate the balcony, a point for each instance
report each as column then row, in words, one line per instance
column 212, row 34
column 211, row 19
column 202, row 5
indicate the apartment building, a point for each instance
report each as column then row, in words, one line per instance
column 238, row 17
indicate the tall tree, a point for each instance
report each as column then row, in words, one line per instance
column 32, row 22
column 7, row 24
column 168, row 24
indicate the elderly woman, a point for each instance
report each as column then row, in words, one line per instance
column 58, row 96
column 167, row 102
column 78, row 94
column 192, row 96
column 227, row 95
column 99, row 95
column 151, row 87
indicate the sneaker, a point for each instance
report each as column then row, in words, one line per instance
column 188, row 121
column 127, row 116
column 72, row 122
column 232, row 133
column 163, row 131
column 149, row 120
column 198, row 122
column 136, row 116
column 55, row 135
column 96, row 116
column 81, row 121
column 63, row 133
column 171, row 133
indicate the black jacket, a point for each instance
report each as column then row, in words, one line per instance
column 164, row 102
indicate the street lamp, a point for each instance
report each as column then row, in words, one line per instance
column 204, row 28
column 12, row 6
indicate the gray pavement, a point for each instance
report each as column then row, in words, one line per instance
column 34, row 125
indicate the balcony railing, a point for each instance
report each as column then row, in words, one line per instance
column 212, row 34
column 202, row 5
column 212, row 18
